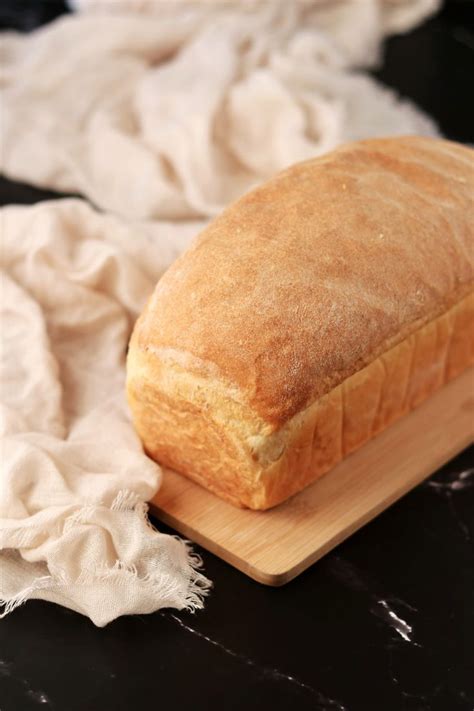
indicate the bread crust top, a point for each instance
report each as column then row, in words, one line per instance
column 314, row 274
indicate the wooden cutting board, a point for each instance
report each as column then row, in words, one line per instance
column 276, row 545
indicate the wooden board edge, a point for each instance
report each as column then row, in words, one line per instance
column 278, row 579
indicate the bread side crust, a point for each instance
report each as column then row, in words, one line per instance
column 201, row 428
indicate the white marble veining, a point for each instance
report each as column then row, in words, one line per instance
column 462, row 480
column 382, row 606
column 399, row 625
column 38, row 696
column 403, row 603
column 7, row 670
column 324, row 702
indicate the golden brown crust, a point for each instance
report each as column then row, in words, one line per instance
column 369, row 401
column 312, row 275
column 188, row 439
column 280, row 305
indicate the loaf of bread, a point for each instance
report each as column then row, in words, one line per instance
column 315, row 311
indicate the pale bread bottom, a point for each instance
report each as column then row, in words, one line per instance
column 185, row 436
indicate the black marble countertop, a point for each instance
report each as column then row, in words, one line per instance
column 383, row 623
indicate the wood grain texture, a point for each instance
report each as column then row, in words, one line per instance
column 274, row 546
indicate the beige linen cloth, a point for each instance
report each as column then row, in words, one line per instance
column 74, row 479
column 155, row 111
column 175, row 110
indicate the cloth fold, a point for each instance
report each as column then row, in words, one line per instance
column 171, row 110
column 73, row 525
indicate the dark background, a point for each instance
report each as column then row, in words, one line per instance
column 323, row 642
